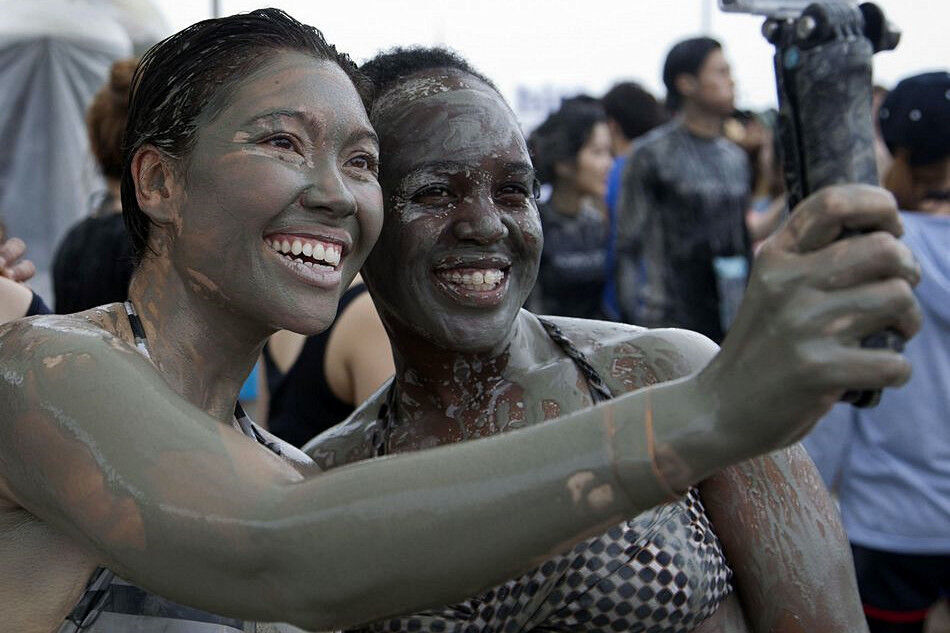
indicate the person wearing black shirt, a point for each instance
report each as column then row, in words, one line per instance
column 571, row 152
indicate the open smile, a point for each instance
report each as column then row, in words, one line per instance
column 472, row 281
column 316, row 260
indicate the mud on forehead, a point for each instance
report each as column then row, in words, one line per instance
column 423, row 84
column 447, row 115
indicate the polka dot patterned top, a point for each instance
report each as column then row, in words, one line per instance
column 661, row 572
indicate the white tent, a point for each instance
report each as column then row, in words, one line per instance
column 54, row 56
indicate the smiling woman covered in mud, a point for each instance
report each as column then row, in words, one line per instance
column 457, row 257
column 122, row 453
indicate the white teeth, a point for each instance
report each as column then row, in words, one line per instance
column 480, row 280
column 308, row 249
column 285, row 247
column 319, row 252
column 298, row 260
column 296, row 248
column 333, row 256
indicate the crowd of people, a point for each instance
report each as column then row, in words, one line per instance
column 543, row 311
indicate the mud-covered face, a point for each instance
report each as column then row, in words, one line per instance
column 461, row 240
column 281, row 203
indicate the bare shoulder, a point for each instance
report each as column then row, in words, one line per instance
column 84, row 332
column 351, row 440
column 629, row 357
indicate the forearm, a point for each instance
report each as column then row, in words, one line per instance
column 440, row 525
column 782, row 537
column 192, row 510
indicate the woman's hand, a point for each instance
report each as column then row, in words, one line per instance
column 794, row 347
column 12, row 250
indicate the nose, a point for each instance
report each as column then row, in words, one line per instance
column 479, row 222
column 327, row 191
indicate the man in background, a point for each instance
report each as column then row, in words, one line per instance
column 631, row 113
column 682, row 205
column 890, row 465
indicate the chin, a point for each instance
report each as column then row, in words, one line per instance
column 308, row 320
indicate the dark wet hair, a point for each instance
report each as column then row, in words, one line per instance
column 685, row 58
column 562, row 135
column 390, row 67
column 633, row 108
column 183, row 76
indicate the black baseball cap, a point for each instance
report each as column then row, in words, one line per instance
column 916, row 115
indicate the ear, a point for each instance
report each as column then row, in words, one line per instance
column 155, row 182
column 686, row 84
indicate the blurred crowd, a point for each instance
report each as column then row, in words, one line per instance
column 652, row 208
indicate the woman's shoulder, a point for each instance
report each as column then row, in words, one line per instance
column 43, row 339
column 630, row 357
column 103, row 322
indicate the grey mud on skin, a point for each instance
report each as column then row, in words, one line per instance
column 470, row 364
column 107, row 458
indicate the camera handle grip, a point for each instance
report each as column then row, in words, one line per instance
column 823, row 75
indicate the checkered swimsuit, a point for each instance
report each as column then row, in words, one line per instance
column 660, row 572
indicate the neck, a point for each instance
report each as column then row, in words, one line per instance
column 701, row 121
column 203, row 350
column 439, row 377
column 566, row 200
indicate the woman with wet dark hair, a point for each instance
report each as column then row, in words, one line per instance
column 571, row 152
column 754, row 547
column 122, row 450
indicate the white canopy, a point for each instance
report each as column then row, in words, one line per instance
column 54, row 56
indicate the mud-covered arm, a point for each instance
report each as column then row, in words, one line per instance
column 783, row 538
column 93, row 442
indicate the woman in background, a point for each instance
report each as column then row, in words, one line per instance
column 94, row 262
column 571, row 153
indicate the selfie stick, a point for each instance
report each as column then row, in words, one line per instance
column 823, row 73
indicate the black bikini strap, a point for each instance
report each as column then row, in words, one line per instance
column 243, row 419
column 599, row 390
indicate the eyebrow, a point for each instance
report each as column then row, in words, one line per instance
column 311, row 121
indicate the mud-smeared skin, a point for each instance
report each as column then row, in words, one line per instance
column 468, row 371
column 107, row 458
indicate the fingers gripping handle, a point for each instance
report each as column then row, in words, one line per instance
column 823, row 75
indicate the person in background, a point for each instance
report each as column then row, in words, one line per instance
column 16, row 299
column 631, row 112
column 754, row 133
column 891, row 464
column 881, row 154
column 571, row 152
column 93, row 263
column 315, row 382
column 682, row 205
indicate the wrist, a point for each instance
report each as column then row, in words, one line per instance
column 670, row 435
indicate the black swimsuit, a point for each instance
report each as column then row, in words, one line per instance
column 661, row 572
column 112, row 605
